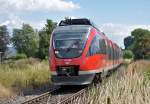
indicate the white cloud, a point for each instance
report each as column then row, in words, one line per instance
column 5, row 23
column 37, row 25
column 14, row 21
column 121, row 29
column 116, row 29
column 117, row 32
column 37, row 5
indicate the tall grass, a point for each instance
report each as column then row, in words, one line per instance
column 132, row 88
column 5, row 92
column 24, row 73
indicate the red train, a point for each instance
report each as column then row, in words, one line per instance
column 79, row 51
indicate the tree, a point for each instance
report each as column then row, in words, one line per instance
column 49, row 26
column 25, row 40
column 44, row 38
column 43, row 44
column 127, row 54
column 141, row 44
column 4, row 39
column 128, row 41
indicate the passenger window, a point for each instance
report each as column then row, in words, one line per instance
column 94, row 48
column 102, row 46
column 98, row 46
column 109, row 51
column 112, row 53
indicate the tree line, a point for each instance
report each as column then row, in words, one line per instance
column 138, row 44
column 28, row 41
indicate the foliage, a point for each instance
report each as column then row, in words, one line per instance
column 128, row 41
column 50, row 25
column 44, row 36
column 4, row 39
column 139, row 43
column 25, row 40
column 127, row 54
column 20, row 56
column 147, row 56
column 43, row 44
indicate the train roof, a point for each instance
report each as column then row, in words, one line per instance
column 78, row 21
column 71, row 28
column 79, row 25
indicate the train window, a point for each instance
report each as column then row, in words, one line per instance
column 109, row 52
column 102, row 44
column 112, row 53
column 69, row 44
column 94, row 48
column 98, row 46
column 115, row 53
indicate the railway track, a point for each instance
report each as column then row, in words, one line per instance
column 73, row 97
column 41, row 99
column 51, row 97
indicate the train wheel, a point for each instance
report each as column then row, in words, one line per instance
column 109, row 73
column 97, row 78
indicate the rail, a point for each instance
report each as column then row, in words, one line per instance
column 73, row 97
column 41, row 98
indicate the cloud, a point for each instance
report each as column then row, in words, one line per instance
column 116, row 29
column 37, row 5
column 121, row 29
column 14, row 21
column 37, row 25
column 5, row 23
column 117, row 32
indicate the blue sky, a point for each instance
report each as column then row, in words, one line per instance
column 117, row 18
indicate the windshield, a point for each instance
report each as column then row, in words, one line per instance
column 69, row 44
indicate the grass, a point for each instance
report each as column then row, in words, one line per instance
column 23, row 74
column 133, row 87
column 5, row 92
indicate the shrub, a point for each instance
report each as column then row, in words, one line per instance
column 20, row 56
column 128, row 54
column 147, row 56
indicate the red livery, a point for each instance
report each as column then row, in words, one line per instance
column 79, row 51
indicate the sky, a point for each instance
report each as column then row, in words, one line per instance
column 117, row 18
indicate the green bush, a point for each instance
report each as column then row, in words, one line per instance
column 147, row 56
column 20, row 56
column 128, row 54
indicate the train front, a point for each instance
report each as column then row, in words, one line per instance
column 68, row 56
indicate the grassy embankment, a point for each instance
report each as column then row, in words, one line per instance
column 133, row 87
column 22, row 74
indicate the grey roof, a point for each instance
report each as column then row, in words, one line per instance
column 72, row 28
